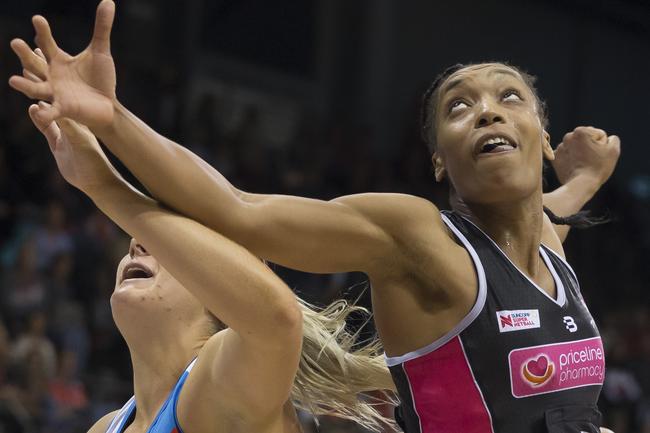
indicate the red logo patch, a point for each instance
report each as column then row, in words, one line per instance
column 506, row 320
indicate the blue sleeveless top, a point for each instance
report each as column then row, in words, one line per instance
column 165, row 421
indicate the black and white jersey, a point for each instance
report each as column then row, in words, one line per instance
column 520, row 361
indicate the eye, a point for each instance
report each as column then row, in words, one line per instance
column 457, row 105
column 511, row 95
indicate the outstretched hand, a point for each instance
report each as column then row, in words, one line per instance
column 587, row 152
column 80, row 87
column 79, row 157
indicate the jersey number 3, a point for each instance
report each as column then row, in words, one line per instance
column 570, row 324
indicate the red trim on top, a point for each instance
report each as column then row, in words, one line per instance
column 445, row 395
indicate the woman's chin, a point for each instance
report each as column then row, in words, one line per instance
column 132, row 305
column 502, row 191
column 131, row 292
column 135, row 283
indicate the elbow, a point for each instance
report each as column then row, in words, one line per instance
column 287, row 317
column 280, row 330
column 291, row 316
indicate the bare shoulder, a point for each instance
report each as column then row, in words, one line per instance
column 204, row 370
column 199, row 402
column 550, row 237
column 207, row 403
column 102, row 424
column 235, row 384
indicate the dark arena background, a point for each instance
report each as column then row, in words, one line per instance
column 317, row 98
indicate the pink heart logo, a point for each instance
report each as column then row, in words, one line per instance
column 538, row 366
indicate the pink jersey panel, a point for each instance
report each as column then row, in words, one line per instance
column 445, row 394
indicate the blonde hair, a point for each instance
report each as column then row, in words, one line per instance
column 336, row 371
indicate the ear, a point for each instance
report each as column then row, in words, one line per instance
column 547, row 149
column 438, row 167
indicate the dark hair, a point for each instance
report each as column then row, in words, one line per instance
column 430, row 99
column 580, row 220
column 427, row 127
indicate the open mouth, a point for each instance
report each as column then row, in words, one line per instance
column 136, row 271
column 497, row 144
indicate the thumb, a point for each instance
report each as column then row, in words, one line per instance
column 614, row 141
column 559, row 150
column 49, row 129
column 101, row 41
column 47, row 113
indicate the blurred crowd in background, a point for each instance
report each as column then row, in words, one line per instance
column 63, row 363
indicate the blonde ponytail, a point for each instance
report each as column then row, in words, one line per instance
column 336, row 371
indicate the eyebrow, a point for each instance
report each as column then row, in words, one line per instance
column 457, row 81
column 505, row 72
column 450, row 85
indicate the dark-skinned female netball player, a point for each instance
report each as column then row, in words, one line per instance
column 480, row 315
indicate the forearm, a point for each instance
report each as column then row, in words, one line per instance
column 172, row 174
column 569, row 199
column 284, row 229
column 309, row 235
column 230, row 282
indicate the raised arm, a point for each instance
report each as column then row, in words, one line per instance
column 351, row 233
column 261, row 347
column 583, row 162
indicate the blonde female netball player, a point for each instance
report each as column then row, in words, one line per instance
column 218, row 342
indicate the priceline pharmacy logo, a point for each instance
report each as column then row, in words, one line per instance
column 556, row 367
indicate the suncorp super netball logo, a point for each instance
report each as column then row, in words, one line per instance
column 517, row 320
column 556, row 367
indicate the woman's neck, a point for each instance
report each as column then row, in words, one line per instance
column 157, row 366
column 515, row 227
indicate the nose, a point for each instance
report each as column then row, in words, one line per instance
column 489, row 115
column 135, row 249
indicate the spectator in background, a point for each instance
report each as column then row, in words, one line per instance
column 53, row 237
column 24, row 288
column 33, row 342
column 68, row 398
column 70, row 332
column 59, row 284
column 14, row 417
column 33, row 363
